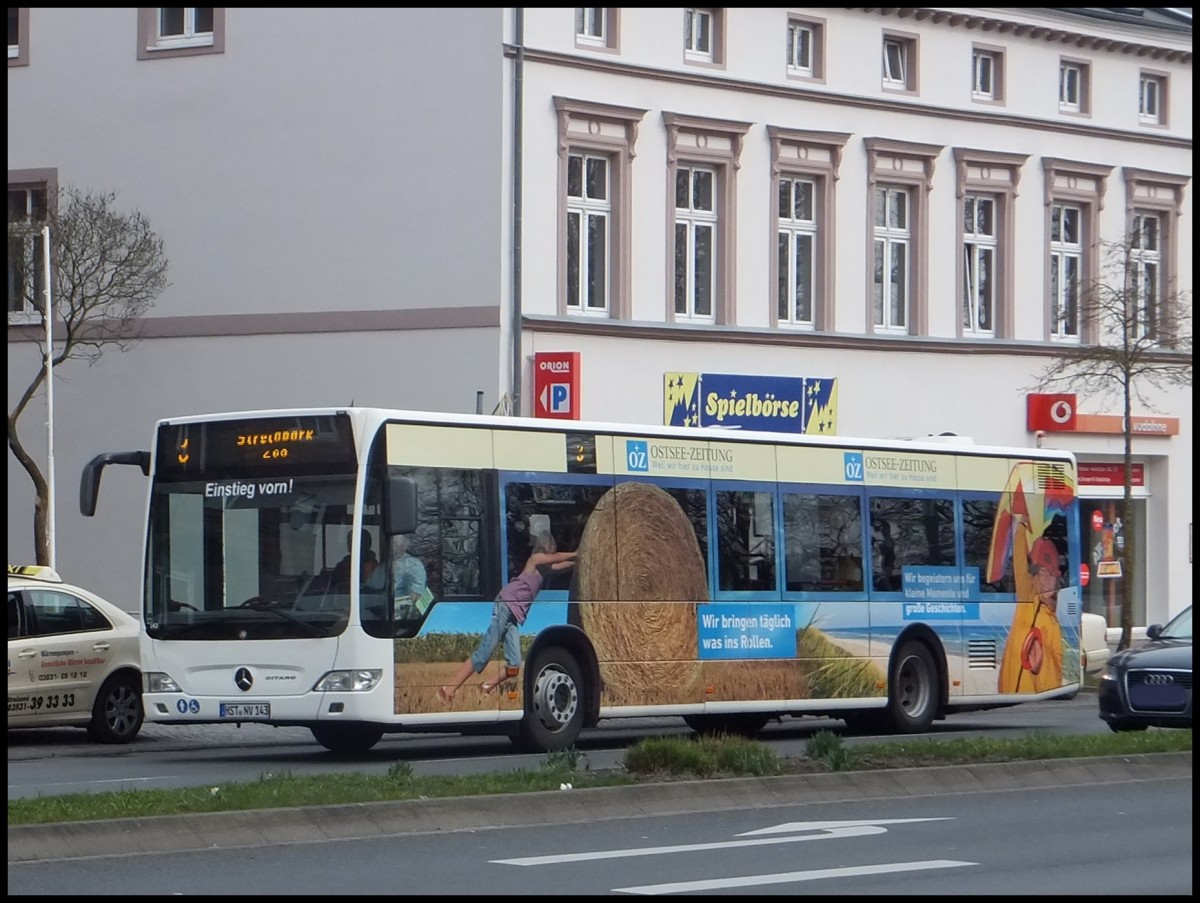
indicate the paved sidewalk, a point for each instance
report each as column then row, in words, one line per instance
column 181, row 833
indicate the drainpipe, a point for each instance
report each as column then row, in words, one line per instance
column 518, row 362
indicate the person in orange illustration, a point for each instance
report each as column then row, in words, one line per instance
column 1033, row 653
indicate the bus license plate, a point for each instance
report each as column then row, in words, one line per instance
column 245, row 710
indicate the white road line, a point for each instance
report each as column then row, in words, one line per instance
column 883, row 868
column 850, row 831
column 816, row 830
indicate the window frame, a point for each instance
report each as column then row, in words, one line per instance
column 693, row 55
column 1158, row 119
column 150, row 46
column 18, row 54
column 815, row 71
column 995, row 55
column 696, row 220
column 34, row 180
column 588, row 210
column 1082, row 104
column 609, row 131
column 815, row 156
column 908, row 46
column 998, row 175
column 1082, row 185
column 911, row 165
column 1063, row 250
column 1142, row 258
column 714, row 144
column 1160, row 194
column 609, row 18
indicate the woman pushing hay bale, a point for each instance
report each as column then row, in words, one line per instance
column 639, row 547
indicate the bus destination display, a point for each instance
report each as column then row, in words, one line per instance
column 260, row 445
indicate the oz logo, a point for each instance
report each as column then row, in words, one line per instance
column 852, row 462
column 637, row 456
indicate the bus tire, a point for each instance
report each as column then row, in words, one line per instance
column 747, row 725
column 347, row 739
column 912, row 690
column 554, row 702
column 117, row 712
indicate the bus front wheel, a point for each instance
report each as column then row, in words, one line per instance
column 554, row 702
column 347, row 739
column 913, row 689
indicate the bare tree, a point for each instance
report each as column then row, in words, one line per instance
column 107, row 269
column 1143, row 339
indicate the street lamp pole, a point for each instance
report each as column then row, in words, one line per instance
column 49, row 312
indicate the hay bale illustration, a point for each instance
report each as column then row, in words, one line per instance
column 639, row 547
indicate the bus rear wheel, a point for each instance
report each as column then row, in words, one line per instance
column 912, row 690
column 347, row 739
column 554, row 702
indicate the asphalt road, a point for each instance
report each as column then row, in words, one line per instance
column 1079, row 826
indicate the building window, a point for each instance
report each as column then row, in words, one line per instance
column 987, row 75
column 804, row 169
column 180, row 31
column 703, row 36
column 702, row 156
column 805, row 51
column 987, row 189
column 1152, row 97
column 1066, row 268
column 892, row 239
column 1074, row 194
column 18, row 37
column 900, row 63
column 589, row 212
column 695, row 243
column 1154, row 200
column 29, row 194
column 797, row 251
column 1145, row 261
column 697, row 32
column 1073, row 87
column 595, row 150
column 900, row 176
column 979, row 265
column 596, row 27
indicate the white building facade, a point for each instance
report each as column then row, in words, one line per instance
column 413, row 208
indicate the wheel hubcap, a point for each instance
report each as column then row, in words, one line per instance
column 555, row 699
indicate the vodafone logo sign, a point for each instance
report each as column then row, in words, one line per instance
column 1050, row 413
column 1062, row 411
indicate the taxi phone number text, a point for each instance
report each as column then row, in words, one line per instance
column 37, row 703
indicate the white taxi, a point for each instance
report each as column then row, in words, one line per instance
column 72, row 658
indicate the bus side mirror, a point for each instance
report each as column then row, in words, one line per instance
column 400, row 512
column 89, row 480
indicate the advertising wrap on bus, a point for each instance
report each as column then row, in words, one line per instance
column 361, row 571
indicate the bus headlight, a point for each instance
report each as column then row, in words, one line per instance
column 356, row 681
column 160, row 682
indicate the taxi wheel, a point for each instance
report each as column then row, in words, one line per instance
column 117, row 713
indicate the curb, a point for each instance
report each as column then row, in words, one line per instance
column 229, row 830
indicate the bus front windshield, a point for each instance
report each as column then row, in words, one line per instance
column 254, row 558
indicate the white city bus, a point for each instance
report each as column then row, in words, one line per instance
column 726, row 577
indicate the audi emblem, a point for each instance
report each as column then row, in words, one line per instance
column 1159, row 680
column 244, row 679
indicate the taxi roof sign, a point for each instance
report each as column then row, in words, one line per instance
column 35, row 572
